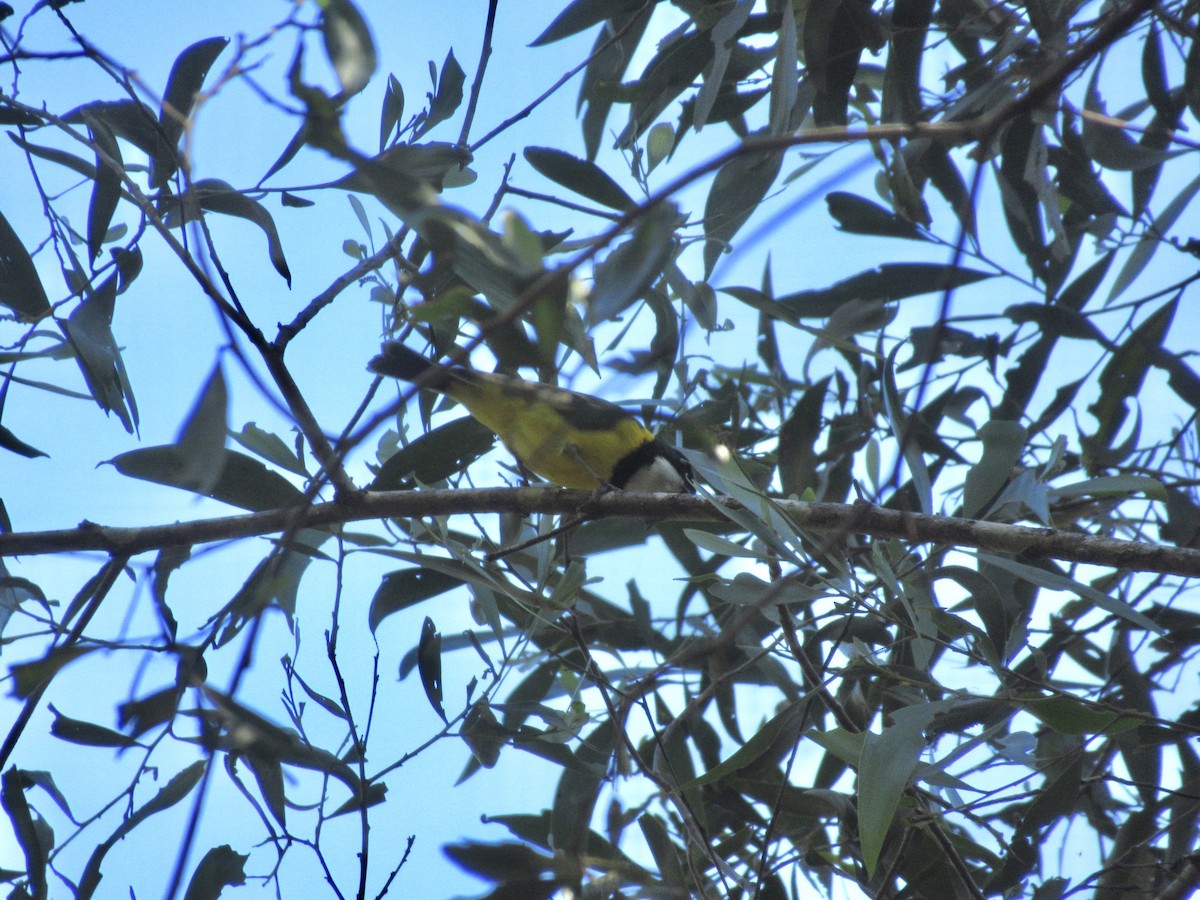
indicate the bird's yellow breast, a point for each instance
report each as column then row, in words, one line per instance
column 568, row 438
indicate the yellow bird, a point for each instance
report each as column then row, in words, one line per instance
column 571, row 439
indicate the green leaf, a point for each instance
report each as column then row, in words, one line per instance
column 1003, row 443
column 106, row 192
column 762, row 302
column 179, row 99
column 723, row 37
column 700, row 298
column 15, row 591
column 1054, row 582
column 759, row 516
column 890, row 281
column 1151, row 239
column 406, row 177
column 435, row 456
column 612, row 53
column 29, row 677
column 858, row 215
column 581, row 15
column 721, row 546
column 483, row 735
column 1111, row 146
column 290, row 200
column 1022, row 156
column 76, row 731
column 659, row 144
column 666, row 854
column 1069, row 715
column 735, row 194
column 844, row 745
column 201, row 441
column 1058, row 320
column 782, row 731
column 932, row 345
column 910, row 449
column 220, row 197
column 1052, row 889
column 579, row 788
column 130, row 120
column 750, row 590
column 1182, row 379
column 20, row 287
column 939, row 164
column 998, row 616
column 579, row 175
column 674, row 69
column 45, row 781
column 390, row 111
column 220, row 868
column 635, row 265
column 1125, row 372
column 404, row 588
column 902, row 76
column 89, row 329
column 247, row 729
column 1154, row 72
column 145, row 713
column 1191, row 79
column 11, row 442
column 834, row 35
column 328, row 704
column 885, row 768
column 798, row 459
column 274, row 582
column 173, row 791
column 429, row 666
column 526, row 247
column 567, row 588
column 270, row 447
column 783, row 115
column 1182, row 527
column 244, row 482
column 448, row 97
column 11, row 116
column 1113, row 486
column 348, row 44
column 506, row 862
column 855, row 317
column 268, row 774
column 12, row 796
column 1024, row 378
column 58, row 157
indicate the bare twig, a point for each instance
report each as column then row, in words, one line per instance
column 485, row 53
column 96, row 589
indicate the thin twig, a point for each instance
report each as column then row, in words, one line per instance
column 485, row 53
column 98, row 589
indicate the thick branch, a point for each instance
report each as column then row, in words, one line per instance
column 1021, row 540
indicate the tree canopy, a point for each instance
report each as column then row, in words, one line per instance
column 908, row 283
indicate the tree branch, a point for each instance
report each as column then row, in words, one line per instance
column 861, row 518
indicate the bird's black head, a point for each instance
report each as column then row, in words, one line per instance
column 655, row 468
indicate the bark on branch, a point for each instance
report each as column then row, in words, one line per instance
column 824, row 518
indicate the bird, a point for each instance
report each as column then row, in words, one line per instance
column 571, row 439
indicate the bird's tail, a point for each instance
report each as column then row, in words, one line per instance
column 399, row 361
